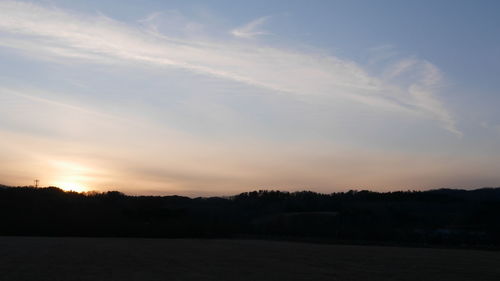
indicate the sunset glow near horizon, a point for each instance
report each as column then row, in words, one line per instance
column 218, row 97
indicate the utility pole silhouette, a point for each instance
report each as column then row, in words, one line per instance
column 36, row 183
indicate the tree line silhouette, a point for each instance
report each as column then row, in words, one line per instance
column 447, row 217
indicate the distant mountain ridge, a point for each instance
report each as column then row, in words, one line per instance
column 450, row 217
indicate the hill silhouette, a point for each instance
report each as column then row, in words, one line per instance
column 443, row 217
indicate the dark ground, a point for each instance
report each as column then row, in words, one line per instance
column 37, row 258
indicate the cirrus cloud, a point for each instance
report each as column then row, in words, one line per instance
column 408, row 86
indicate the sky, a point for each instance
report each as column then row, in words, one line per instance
column 204, row 98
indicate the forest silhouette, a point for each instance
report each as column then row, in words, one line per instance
column 442, row 217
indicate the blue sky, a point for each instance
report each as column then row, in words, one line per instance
column 218, row 97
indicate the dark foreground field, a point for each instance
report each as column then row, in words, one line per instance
column 33, row 258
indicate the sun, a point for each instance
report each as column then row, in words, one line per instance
column 71, row 186
column 71, row 176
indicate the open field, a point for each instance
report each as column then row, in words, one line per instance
column 38, row 258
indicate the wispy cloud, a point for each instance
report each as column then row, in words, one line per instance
column 57, row 33
column 422, row 79
column 45, row 101
column 172, row 22
column 250, row 30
